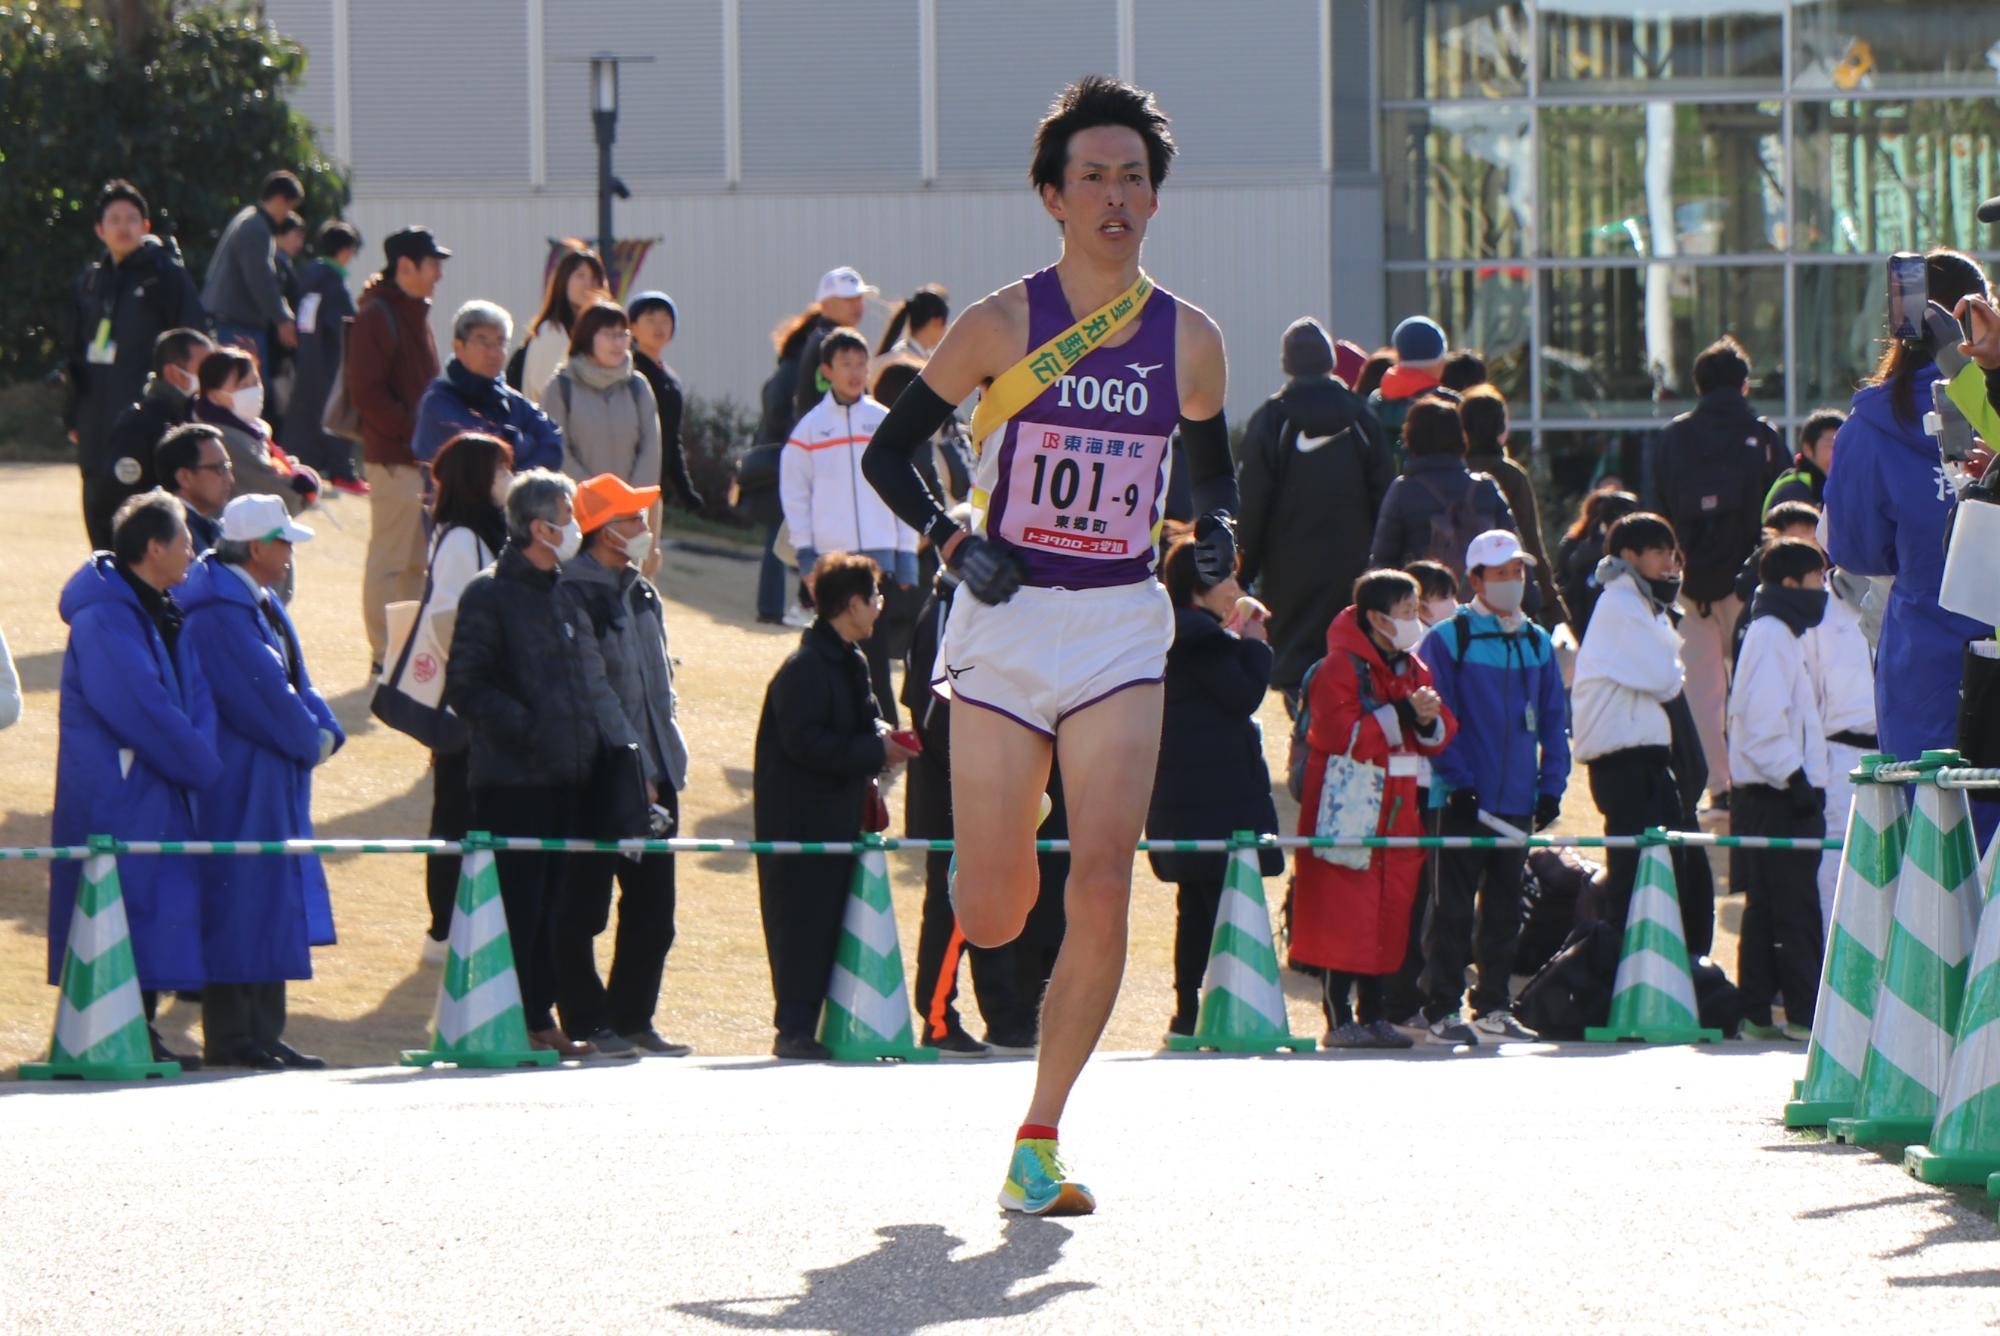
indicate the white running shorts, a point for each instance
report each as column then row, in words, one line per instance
column 1044, row 654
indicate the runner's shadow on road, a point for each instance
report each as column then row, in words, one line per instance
column 911, row 1281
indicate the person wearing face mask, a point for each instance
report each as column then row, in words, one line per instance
column 1371, row 699
column 526, row 675
column 1212, row 779
column 468, row 532
column 1497, row 672
column 1778, row 769
column 166, row 402
column 625, row 611
column 1628, row 669
column 232, row 401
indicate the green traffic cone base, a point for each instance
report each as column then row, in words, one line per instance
column 1964, row 1170
column 1652, row 1034
column 98, row 1071
column 1877, row 1131
column 1816, row 1113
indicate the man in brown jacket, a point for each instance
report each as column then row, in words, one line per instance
column 392, row 358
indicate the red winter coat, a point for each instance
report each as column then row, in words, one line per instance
column 1358, row 920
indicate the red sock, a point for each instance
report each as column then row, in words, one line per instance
column 1035, row 1132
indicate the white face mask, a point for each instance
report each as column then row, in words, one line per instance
column 572, row 541
column 638, row 546
column 1406, row 633
column 1504, row 596
column 1440, row 610
column 247, row 401
column 502, row 480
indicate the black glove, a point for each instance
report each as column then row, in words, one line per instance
column 990, row 571
column 1461, row 807
column 1214, row 547
column 1805, row 798
column 1547, row 808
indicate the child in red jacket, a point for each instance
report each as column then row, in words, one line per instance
column 1371, row 699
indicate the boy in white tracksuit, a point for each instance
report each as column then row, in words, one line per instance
column 1778, row 769
column 1627, row 669
column 1843, row 671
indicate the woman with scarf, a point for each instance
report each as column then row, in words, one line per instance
column 610, row 421
column 231, row 399
column 1370, row 699
column 1628, row 670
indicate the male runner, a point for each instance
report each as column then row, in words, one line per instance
column 1062, row 645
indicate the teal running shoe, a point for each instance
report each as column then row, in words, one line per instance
column 1037, row 1184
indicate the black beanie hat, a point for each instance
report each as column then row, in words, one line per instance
column 1307, row 351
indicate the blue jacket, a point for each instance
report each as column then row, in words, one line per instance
column 136, row 740
column 459, row 401
column 1886, row 506
column 1507, row 694
column 259, row 915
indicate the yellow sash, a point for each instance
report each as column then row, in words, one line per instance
column 1024, row 382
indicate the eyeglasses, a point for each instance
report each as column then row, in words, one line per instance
column 485, row 344
column 220, row 466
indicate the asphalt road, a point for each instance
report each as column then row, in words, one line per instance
column 1543, row 1189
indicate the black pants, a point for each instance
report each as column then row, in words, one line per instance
column 1196, row 904
column 875, row 649
column 638, row 955
column 1474, row 917
column 236, row 1015
column 1783, row 941
column 530, row 883
column 451, row 817
column 803, row 899
column 1367, row 1005
column 1403, row 994
column 101, row 499
column 939, row 945
column 1634, row 789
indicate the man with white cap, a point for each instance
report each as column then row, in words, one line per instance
column 841, row 298
column 260, row 915
column 1497, row 672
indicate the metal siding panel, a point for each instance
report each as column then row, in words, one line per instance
column 310, row 24
column 830, row 90
column 437, row 95
column 670, row 110
column 996, row 79
column 1241, row 80
column 1353, row 89
column 1253, row 257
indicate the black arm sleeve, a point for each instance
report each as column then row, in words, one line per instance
column 889, row 462
column 1209, row 465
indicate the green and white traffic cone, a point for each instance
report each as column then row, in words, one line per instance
column 1242, row 1002
column 100, row 1019
column 1864, row 905
column 1923, row 973
column 867, row 1013
column 479, row 1021
column 1652, row 997
column 1965, row 1141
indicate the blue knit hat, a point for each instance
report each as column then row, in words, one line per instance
column 1418, row 339
column 646, row 301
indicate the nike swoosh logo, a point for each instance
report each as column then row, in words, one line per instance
column 1143, row 371
column 1308, row 444
column 957, row 673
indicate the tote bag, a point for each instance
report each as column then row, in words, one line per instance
column 410, row 696
column 1350, row 806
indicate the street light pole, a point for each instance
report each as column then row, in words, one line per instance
column 604, row 117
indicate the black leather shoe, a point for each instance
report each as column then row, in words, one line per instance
column 801, row 1048
column 288, row 1056
column 161, row 1053
column 252, row 1056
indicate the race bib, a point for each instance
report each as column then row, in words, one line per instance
column 1082, row 494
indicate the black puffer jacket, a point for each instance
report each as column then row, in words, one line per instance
column 1313, row 474
column 136, row 433
column 526, row 676
column 1212, row 780
column 144, row 297
column 817, row 747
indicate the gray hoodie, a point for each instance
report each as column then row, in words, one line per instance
column 632, row 633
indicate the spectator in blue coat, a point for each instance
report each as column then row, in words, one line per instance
column 136, row 742
column 260, row 915
column 1887, row 502
column 473, row 395
column 1498, row 675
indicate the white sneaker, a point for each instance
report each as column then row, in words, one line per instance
column 797, row 616
column 1451, row 1030
column 1501, row 1025
column 435, row 952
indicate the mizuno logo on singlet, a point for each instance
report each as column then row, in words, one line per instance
column 1143, row 371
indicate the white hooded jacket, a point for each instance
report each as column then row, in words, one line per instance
column 1774, row 720
column 1627, row 669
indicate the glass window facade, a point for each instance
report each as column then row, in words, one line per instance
column 1591, row 191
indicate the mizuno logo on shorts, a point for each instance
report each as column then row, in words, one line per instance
column 957, row 673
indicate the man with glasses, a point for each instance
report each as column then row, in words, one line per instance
column 193, row 465
column 473, row 395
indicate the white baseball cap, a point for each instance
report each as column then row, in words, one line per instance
column 248, row 518
column 845, row 281
column 1495, row 547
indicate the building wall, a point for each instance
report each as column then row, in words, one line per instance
column 769, row 140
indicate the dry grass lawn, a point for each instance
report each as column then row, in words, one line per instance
column 370, row 997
